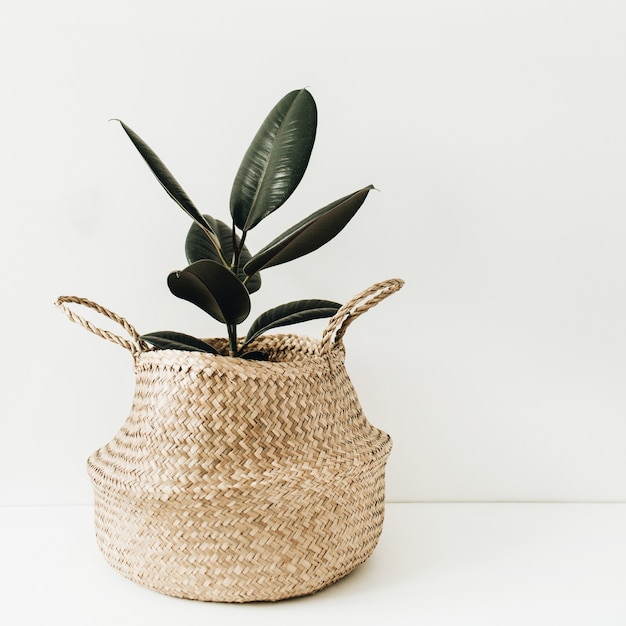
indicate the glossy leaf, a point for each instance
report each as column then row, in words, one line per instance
column 275, row 161
column 309, row 234
column 213, row 288
column 170, row 340
column 167, row 180
column 256, row 355
column 199, row 246
column 291, row 313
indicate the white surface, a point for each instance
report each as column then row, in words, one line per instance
column 495, row 131
column 436, row 564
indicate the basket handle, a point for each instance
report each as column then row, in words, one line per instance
column 135, row 347
column 361, row 303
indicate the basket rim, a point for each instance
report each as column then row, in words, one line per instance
column 305, row 349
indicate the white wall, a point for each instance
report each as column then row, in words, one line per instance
column 496, row 134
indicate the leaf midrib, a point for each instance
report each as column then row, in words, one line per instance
column 258, row 190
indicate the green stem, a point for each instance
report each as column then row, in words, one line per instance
column 237, row 250
column 232, row 339
column 235, row 258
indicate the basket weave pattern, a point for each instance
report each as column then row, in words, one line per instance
column 235, row 480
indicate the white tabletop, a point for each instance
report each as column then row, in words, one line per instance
column 436, row 564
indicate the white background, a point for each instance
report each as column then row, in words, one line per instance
column 496, row 134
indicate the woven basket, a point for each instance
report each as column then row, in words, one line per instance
column 236, row 480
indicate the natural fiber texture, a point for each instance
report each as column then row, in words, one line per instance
column 235, row 480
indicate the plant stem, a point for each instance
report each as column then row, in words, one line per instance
column 237, row 250
column 235, row 258
column 232, row 339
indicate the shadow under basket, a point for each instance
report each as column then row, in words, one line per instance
column 235, row 480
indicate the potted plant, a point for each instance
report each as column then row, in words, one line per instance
column 246, row 469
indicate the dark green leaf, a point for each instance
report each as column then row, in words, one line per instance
column 213, row 288
column 170, row 340
column 291, row 313
column 165, row 177
column 199, row 246
column 276, row 160
column 256, row 355
column 309, row 234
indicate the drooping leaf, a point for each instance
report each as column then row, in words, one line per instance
column 199, row 246
column 167, row 180
column 276, row 159
column 213, row 288
column 291, row 313
column 170, row 340
column 309, row 234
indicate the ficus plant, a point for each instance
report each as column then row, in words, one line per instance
column 222, row 273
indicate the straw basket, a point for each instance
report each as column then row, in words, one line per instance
column 236, row 480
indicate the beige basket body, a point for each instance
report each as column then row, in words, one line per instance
column 235, row 480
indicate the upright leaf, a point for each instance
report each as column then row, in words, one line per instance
column 309, row 234
column 291, row 313
column 199, row 246
column 275, row 161
column 213, row 288
column 167, row 180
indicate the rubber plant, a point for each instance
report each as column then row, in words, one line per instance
column 222, row 273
